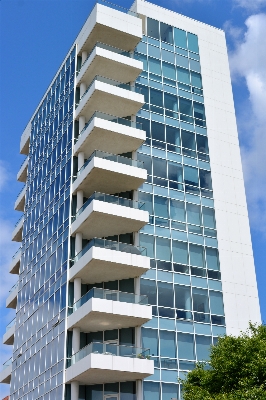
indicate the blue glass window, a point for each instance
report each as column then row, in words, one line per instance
column 180, row 38
column 180, row 252
column 150, row 340
column 167, row 344
column 185, row 346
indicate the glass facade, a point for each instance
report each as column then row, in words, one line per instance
column 184, row 283
column 39, row 347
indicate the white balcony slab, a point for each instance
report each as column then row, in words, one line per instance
column 109, row 64
column 113, row 265
column 103, row 368
column 11, row 301
column 5, row 374
column 20, row 201
column 109, row 99
column 8, row 337
column 110, row 137
column 102, row 219
column 102, row 314
column 15, row 263
column 105, row 176
column 25, row 140
column 23, row 171
column 17, row 232
column 110, row 26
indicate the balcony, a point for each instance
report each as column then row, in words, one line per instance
column 11, row 301
column 17, row 232
column 109, row 134
column 15, row 263
column 110, row 97
column 106, row 309
column 25, row 140
column 109, row 173
column 110, row 62
column 117, row 27
column 110, row 259
column 5, row 374
column 23, row 171
column 107, row 215
column 20, row 201
column 99, row 363
column 8, row 337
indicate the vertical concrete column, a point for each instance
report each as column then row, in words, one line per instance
column 79, row 199
column 83, row 88
column 77, row 289
column 76, row 340
column 81, row 123
column 139, row 390
column 78, row 242
column 80, row 160
column 84, row 56
column 74, row 390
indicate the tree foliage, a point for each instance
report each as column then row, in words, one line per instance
column 236, row 369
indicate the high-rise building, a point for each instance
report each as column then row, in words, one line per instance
column 135, row 244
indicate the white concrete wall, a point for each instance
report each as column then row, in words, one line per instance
column 234, row 241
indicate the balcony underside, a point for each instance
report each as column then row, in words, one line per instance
column 113, row 265
column 111, row 65
column 17, row 232
column 11, row 301
column 105, row 176
column 20, row 202
column 8, row 337
column 103, row 368
column 109, row 99
column 110, row 137
column 101, row 314
column 5, row 375
column 101, row 219
column 15, row 264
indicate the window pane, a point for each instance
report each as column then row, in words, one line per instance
column 196, row 255
column 172, row 135
column 170, row 102
column 191, row 175
column 151, row 390
column 203, row 344
column 180, row 38
column 205, row 179
column 148, row 288
column 147, row 199
column 153, row 28
column 196, row 79
column 183, row 75
column 148, row 242
column 169, row 391
column 185, row 106
column 200, row 300
column 193, row 42
column 177, row 210
column 154, row 66
column 166, row 33
column 180, row 254
column 188, row 140
column 182, row 297
column 165, row 294
column 159, row 167
column 199, row 111
column 161, row 206
column 154, row 51
column 150, row 340
column 163, row 249
column 212, row 258
column 185, row 346
column 175, row 172
column 167, row 344
column 208, row 217
column 156, row 97
column 168, row 71
column 216, row 301
column 182, row 61
column 202, row 144
column 193, row 214
column 146, row 162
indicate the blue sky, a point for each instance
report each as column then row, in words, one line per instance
column 35, row 35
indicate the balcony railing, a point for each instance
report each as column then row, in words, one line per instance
column 18, row 250
column 108, row 198
column 22, row 217
column 7, row 363
column 110, row 157
column 12, row 323
column 13, row 287
column 20, row 192
column 109, row 245
column 107, row 294
column 112, row 118
column 106, row 47
column 110, row 349
column 112, row 82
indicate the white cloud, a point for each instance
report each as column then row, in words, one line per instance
column 248, row 61
column 251, row 5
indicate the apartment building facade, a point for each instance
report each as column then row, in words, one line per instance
column 135, row 245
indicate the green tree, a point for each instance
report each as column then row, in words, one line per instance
column 236, row 369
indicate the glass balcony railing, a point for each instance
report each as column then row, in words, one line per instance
column 112, row 118
column 21, row 192
column 12, row 323
column 107, row 294
column 108, row 198
column 110, row 245
column 106, row 47
column 110, row 157
column 118, row 8
column 18, row 251
column 20, row 219
column 7, row 363
column 109, row 349
column 112, row 82
column 14, row 287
